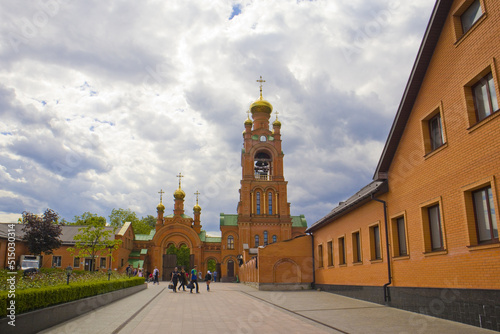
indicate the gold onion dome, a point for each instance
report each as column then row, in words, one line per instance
column 179, row 194
column 261, row 105
column 248, row 121
column 160, row 207
column 277, row 123
column 197, row 208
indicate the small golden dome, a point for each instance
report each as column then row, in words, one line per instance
column 277, row 123
column 261, row 105
column 197, row 208
column 160, row 207
column 248, row 121
column 179, row 194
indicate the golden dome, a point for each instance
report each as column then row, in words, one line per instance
column 277, row 123
column 197, row 208
column 261, row 105
column 160, row 207
column 248, row 121
column 179, row 194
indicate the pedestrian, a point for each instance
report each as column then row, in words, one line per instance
column 215, row 276
column 140, row 273
column 208, row 278
column 175, row 278
column 129, row 270
column 156, row 274
column 194, row 279
column 182, row 280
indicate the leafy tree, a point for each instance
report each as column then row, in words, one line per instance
column 141, row 227
column 120, row 216
column 42, row 233
column 92, row 240
column 182, row 254
column 211, row 265
column 88, row 218
column 150, row 220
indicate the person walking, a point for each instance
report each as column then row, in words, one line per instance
column 175, row 278
column 208, row 278
column 183, row 280
column 194, row 279
column 215, row 276
column 156, row 274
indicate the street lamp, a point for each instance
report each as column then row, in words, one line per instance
column 68, row 273
column 109, row 274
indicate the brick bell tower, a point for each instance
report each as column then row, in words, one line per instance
column 263, row 210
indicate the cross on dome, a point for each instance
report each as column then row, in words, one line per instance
column 261, row 81
column 180, row 176
column 161, row 192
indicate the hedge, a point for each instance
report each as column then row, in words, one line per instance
column 32, row 299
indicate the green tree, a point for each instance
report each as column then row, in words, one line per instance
column 149, row 220
column 94, row 239
column 182, row 255
column 88, row 218
column 120, row 216
column 211, row 265
column 42, row 233
column 140, row 227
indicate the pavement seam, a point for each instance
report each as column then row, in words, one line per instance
column 117, row 330
column 298, row 314
column 338, row 309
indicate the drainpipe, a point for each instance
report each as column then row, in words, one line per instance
column 313, row 267
column 387, row 297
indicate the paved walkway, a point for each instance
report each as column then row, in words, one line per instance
column 236, row 308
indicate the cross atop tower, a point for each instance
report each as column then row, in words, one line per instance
column 197, row 193
column 161, row 192
column 276, row 114
column 180, row 176
column 261, row 81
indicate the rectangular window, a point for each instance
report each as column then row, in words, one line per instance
column 356, row 247
column 485, row 98
column 103, row 263
column 401, row 236
column 435, row 228
column 258, row 202
column 76, row 262
column 330, row 253
column 341, row 250
column 436, row 132
column 471, row 15
column 485, row 216
column 320, row 256
column 375, row 243
column 56, row 261
column 270, row 202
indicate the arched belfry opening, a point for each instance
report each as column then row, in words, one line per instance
column 262, row 166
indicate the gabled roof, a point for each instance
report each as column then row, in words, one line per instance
column 356, row 200
column 424, row 56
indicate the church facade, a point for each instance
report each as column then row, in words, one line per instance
column 263, row 212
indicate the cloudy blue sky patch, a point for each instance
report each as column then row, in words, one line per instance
column 104, row 103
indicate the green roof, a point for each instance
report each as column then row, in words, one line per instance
column 183, row 216
column 136, row 263
column 228, row 219
column 299, row 221
column 204, row 238
column 144, row 251
column 146, row 237
column 135, row 254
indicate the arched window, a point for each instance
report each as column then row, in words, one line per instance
column 270, row 200
column 265, row 238
column 256, row 240
column 275, row 238
column 230, row 242
column 258, row 202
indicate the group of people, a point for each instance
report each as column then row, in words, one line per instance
column 181, row 278
column 133, row 271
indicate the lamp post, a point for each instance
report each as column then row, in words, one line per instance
column 68, row 273
column 109, row 268
column 109, row 274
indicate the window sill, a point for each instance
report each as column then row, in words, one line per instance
column 484, row 121
column 461, row 38
column 439, row 149
column 357, row 263
column 484, row 246
column 401, row 257
column 435, row 253
column 331, row 267
column 376, row 261
column 342, row 265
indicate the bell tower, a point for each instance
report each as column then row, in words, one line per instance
column 263, row 210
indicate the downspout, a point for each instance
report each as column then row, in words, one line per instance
column 313, row 261
column 387, row 297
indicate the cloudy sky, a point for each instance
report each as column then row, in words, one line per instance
column 103, row 103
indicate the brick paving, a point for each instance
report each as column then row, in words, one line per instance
column 237, row 308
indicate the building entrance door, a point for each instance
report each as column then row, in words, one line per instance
column 230, row 269
column 169, row 264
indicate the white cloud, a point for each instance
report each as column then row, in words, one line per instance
column 102, row 104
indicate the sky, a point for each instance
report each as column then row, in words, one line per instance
column 103, row 103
